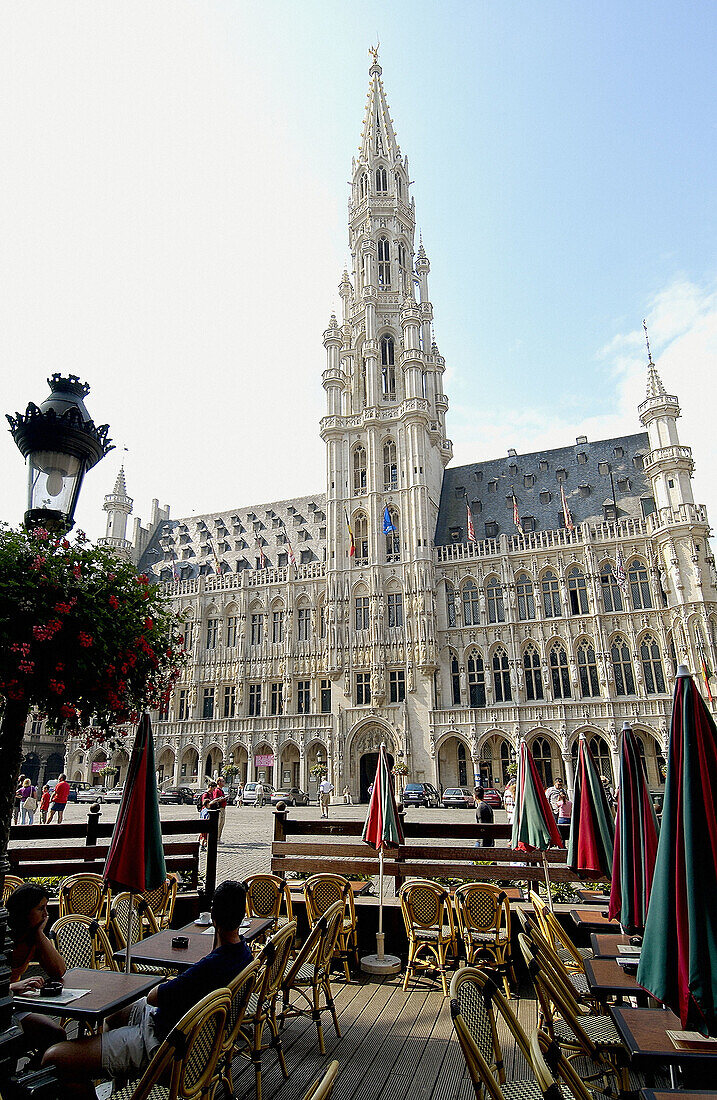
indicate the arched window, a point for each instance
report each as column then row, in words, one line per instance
column 402, row 269
column 450, row 604
column 471, row 606
column 622, row 668
column 384, row 264
column 639, row 586
column 577, row 592
column 526, row 596
column 494, row 600
column 399, row 186
column 381, row 181
column 393, row 538
column 363, row 186
column 551, row 596
column 390, row 466
column 611, row 594
column 462, row 767
column 543, row 757
column 361, row 539
column 601, row 755
column 533, row 675
column 559, row 673
column 587, row 670
column 501, row 677
column 652, row 665
column 388, row 369
column 359, row 463
column 455, row 681
column 476, row 679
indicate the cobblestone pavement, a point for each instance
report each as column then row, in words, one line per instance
column 245, row 848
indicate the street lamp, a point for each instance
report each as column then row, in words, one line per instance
column 59, row 442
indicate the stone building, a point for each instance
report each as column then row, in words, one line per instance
column 447, row 612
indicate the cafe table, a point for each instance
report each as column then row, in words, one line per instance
column 592, row 920
column 605, row 944
column 644, row 1033
column 677, row 1094
column 157, row 950
column 593, row 897
column 607, row 979
column 107, row 992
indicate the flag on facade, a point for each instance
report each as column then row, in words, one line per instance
column 175, row 571
column 567, row 514
column 706, row 673
column 292, row 559
column 217, row 566
column 352, row 546
column 389, row 527
column 260, row 552
column 516, row 517
column 471, row 528
column 620, row 574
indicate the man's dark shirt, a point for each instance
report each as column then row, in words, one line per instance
column 484, row 816
column 216, row 970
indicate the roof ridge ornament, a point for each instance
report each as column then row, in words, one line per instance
column 655, row 387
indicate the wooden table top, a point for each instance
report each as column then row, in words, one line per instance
column 592, row 918
column 108, row 992
column 672, row 1094
column 605, row 944
column 157, row 950
column 643, row 1031
column 605, row 976
column 594, row 897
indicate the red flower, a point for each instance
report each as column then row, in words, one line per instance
column 59, row 667
column 77, row 571
column 27, row 667
column 63, row 608
column 14, row 691
column 40, row 533
column 148, row 624
column 85, row 640
column 67, row 711
column 113, row 602
column 57, row 686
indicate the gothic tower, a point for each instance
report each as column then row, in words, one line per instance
column 386, row 452
column 118, row 506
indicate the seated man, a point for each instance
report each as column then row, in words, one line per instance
column 131, row 1037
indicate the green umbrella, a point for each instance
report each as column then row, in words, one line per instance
column 592, row 829
column 534, row 826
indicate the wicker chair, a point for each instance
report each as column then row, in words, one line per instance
column 161, row 901
column 320, row 893
column 241, row 990
column 82, row 941
column 556, row 935
column 483, row 913
column 261, row 1011
column 488, row 1080
column 86, row 894
column 310, row 974
column 266, row 896
column 10, row 885
column 575, row 980
column 476, row 997
column 323, row 1086
column 184, row 1066
column 428, row 917
column 552, row 1068
column 131, row 910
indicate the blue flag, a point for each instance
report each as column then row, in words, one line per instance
column 388, row 527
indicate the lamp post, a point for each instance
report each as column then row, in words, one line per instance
column 59, row 442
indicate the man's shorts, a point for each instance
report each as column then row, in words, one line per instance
column 126, row 1051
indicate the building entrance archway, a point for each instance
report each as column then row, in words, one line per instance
column 367, row 772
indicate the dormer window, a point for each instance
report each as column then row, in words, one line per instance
column 381, row 181
column 384, row 262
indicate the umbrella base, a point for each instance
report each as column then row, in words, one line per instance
column 381, row 964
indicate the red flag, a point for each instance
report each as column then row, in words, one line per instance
column 260, row 550
column 567, row 514
column 352, row 547
column 471, row 528
column 706, row 676
column 516, row 517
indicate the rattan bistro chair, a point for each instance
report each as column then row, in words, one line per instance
column 241, row 990
column 10, row 885
column 131, row 910
column 483, row 913
column 488, row 1079
column 310, row 974
column 557, row 937
column 261, row 1011
column 86, row 894
column 428, row 917
column 552, row 1068
column 184, row 1066
column 322, row 1087
column 82, row 941
column 267, row 896
column 475, row 995
column 320, row 893
column 161, row 902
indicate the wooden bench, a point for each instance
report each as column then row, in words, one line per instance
column 71, row 849
column 444, row 851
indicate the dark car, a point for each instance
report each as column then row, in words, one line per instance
column 458, row 798
column 420, row 794
column 72, row 797
column 177, row 796
column 493, row 798
column 292, row 796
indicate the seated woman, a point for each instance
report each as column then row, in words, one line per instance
column 27, row 918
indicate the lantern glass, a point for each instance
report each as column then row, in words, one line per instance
column 54, row 481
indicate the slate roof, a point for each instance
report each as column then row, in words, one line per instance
column 585, row 469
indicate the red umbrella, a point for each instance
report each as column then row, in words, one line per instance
column 534, row 826
column 633, row 861
column 592, row 829
column 382, row 828
column 135, row 860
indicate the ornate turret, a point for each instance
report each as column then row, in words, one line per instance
column 118, row 506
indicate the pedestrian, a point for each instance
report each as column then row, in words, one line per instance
column 509, row 801
column 44, row 804
column 219, row 802
column 240, row 794
column 565, row 809
column 325, row 789
column 28, row 802
column 59, row 798
column 259, row 795
column 204, row 801
column 553, row 793
column 17, row 804
column 348, row 800
column 370, row 789
column 484, row 816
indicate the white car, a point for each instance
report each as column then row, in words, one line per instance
column 87, row 792
column 114, row 794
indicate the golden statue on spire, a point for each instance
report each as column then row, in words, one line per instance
column 373, row 50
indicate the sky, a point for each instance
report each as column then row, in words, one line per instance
column 173, row 224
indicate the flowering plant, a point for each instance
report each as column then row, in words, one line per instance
column 400, row 768
column 83, row 638
column 318, row 770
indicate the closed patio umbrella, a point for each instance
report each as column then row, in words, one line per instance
column 678, row 962
column 633, row 861
column 382, row 829
column 135, row 860
column 592, row 829
column 534, row 826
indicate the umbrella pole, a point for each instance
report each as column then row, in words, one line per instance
column 379, row 935
column 127, row 959
column 547, row 882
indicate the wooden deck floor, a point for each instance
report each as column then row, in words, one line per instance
column 393, row 1045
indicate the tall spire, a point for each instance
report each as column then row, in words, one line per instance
column 655, row 387
column 378, row 139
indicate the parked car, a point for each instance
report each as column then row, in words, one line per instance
column 114, row 794
column 420, row 794
column 292, row 796
column 177, row 796
column 72, row 797
column 458, row 798
column 493, row 798
column 248, row 797
column 87, row 792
